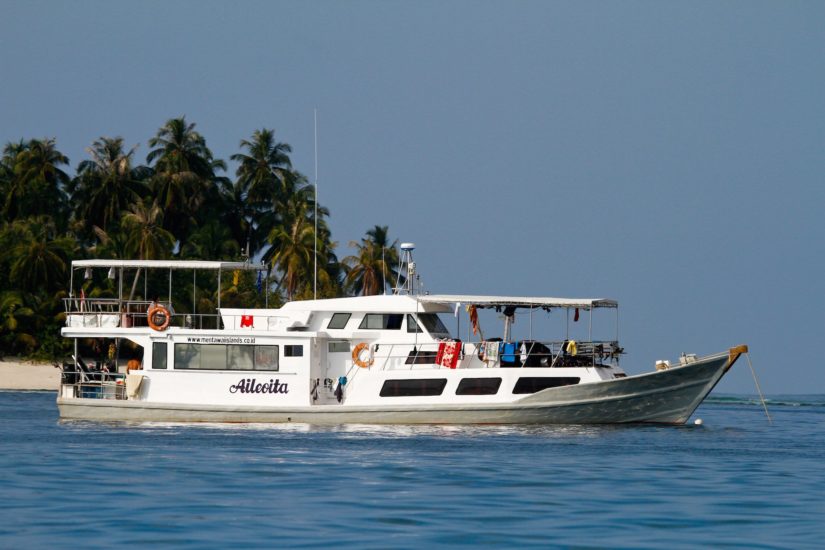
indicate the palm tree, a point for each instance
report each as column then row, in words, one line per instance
column 14, row 312
column 262, row 170
column 375, row 263
column 294, row 195
column 293, row 245
column 184, row 174
column 7, row 162
column 146, row 238
column 238, row 216
column 213, row 241
column 37, row 184
column 40, row 259
column 107, row 184
column 111, row 244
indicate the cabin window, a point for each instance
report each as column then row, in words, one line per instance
column 159, row 355
column 225, row 357
column 431, row 321
column 532, row 384
column 382, row 321
column 293, row 351
column 266, row 358
column 339, row 320
column 414, row 387
column 338, row 347
column 421, row 358
column 412, row 326
column 478, row 386
column 239, row 357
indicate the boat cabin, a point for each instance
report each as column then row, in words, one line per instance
column 357, row 351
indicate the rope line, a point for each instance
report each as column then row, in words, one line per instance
column 759, row 389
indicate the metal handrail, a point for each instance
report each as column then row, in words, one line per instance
column 588, row 353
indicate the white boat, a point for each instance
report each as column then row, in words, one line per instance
column 387, row 359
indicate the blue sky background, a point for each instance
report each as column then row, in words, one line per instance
column 668, row 155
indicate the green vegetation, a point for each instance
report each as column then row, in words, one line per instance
column 180, row 204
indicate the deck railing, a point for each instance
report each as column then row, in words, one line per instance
column 521, row 354
column 112, row 313
column 79, row 380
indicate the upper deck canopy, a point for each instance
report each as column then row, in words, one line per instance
column 167, row 264
column 517, row 301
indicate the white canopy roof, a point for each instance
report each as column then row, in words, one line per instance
column 166, row 264
column 519, row 301
column 381, row 303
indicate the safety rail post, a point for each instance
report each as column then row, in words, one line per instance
column 387, row 358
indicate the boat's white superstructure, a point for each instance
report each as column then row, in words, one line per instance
column 372, row 359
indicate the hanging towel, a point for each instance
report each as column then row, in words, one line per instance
column 448, row 353
column 473, row 318
column 491, row 352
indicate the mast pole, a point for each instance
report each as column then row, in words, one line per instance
column 315, row 240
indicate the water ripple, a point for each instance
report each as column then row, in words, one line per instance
column 733, row 482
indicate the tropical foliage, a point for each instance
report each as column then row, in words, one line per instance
column 180, row 203
column 374, row 266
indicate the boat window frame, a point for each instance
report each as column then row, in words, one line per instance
column 386, row 317
column 479, row 382
column 562, row 381
column 341, row 343
column 160, row 357
column 338, row 315
column 430, row 324
column 422, row 389
column 257, row 352
column 293, row 350
column 415, row 328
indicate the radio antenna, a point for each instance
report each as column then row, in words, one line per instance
column 315, row 264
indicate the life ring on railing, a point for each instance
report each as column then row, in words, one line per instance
column 155, row 313
column 356, row 355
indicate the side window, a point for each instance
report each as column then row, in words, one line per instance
column 533, row 384
column 266, row 358
column 225, row 357
column 339, row 320
column 413, row 387
column 338, row 347
column 382, row 321
column 478, row 386
column 159, row 355
column 412, row 325
column 293, row 351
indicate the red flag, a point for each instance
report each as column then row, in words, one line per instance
column 246, row 321
column 576, row 316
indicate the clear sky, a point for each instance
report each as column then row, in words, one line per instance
column 670, row 155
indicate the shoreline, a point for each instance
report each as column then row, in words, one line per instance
column 19, row 374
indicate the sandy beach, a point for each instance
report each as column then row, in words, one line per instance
column 18, row 374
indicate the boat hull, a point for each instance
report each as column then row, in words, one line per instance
column 667, row 397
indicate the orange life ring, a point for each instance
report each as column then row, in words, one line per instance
column 356, row 356
column 152, row 315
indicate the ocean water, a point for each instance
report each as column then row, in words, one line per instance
column 734, row 481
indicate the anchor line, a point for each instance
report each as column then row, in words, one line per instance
column 759, row 389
